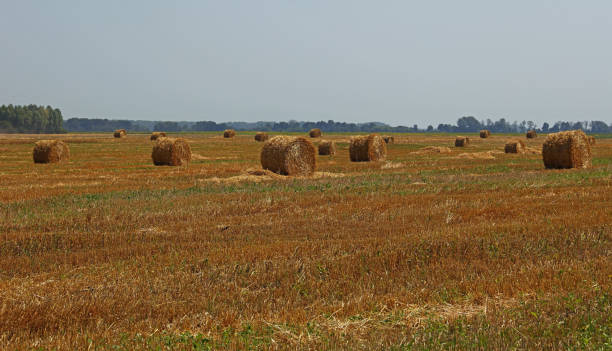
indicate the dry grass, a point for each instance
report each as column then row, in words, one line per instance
column 427, row 251
column 327, row 148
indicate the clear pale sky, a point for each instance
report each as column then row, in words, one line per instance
column 399, row 62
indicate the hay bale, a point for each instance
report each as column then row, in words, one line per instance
column 171, row 152
column 261, row 136
column 289, row 156
column 327, row 147
column 531, row 134
column 315, row 133
column 514, row 147
column 591, row 140
column 157, row 135
column 229, row 133
column 389, row 139
column 485, row 133
column 120, row 133
column 462, row 141
column 50, row 151
column 368, row 148
column 570, row 149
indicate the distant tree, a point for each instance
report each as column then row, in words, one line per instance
column 30, row 119
column 468, row 124
column 600, row 127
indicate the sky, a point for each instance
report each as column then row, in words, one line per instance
column 399, row 62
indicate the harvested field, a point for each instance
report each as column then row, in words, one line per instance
column 422, row 251
column 229, row 133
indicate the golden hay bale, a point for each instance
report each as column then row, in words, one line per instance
column 315, row 133
column 368, row 148
column 531, row 134
column 171, row 152
column 120, row 133
column 570, row 149
column 327, row 147
column 485, row 133
column 261, row 136
column 229, row 133
column 156, row 135
column 462, row 141
column 591, row 140
column 389, row 139
column 50, row 151
column 514, row 147
column 289, row 156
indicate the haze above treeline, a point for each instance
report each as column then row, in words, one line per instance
column 46, row 119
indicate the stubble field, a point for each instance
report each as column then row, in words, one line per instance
column 424, row 251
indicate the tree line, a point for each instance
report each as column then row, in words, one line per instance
column 39, row 119
column 464, row 124
column 30, row 119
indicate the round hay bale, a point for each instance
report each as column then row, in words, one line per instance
column 570, row 149
column 389, row 139
column 229, row 133
column 315, row 133
column 531, row 134
column 289, row 156
column 171, row 152
column 485, row 133
column 591, row 140
column 327, row 147
column 120, row 133
column 368, row 148
column 261, row 136
column 514, row 147
column 157, row 135
column 462, row 141
column 50, row 151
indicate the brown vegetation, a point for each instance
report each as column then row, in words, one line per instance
column 171, row 152
column 485, row 133
column 289, row 156
column 570, row 149
column 229, row 133
column 50, row 151
column 389, row 139
column 591, row 140
column 531, row 134
column 367, row 148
